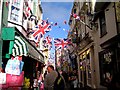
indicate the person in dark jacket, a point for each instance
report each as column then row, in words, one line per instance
column 45, row 73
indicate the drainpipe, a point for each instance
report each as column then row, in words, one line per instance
column 1, row 3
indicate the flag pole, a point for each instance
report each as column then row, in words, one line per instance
column 78, row 18
column 86, row 24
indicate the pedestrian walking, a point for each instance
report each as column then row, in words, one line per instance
column 65, row 76
column 50, row 78
column 73, row 80
column 45, row 74
column 60, row 83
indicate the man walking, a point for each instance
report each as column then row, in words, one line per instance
column 50, row 78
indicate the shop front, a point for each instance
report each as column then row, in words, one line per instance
column 109, row 62
column 86, row 67
column 16, row 46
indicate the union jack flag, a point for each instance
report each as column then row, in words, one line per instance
column 43, row 28
column 27, row 11
column 61, row 43
column 79, row 18
column 48, row 42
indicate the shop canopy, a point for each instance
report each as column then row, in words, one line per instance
column 18, row 45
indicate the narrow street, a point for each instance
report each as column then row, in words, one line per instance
column 59, row 45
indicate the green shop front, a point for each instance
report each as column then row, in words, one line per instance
column 15, row 44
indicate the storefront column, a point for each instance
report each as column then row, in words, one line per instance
column 92, row 68
column 78, row 62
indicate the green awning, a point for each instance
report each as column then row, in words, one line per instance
column 20, row 47
column 23, row 48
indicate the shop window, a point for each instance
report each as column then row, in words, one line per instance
column 81, row 69
column 15, row 12
column 106, row 67
column 88, row 69
column 103, row 30
column 14, row 15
